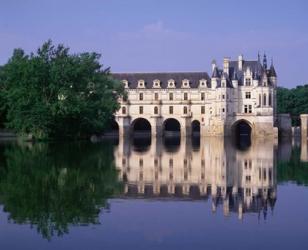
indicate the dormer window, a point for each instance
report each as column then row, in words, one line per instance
column 185, row 83
column 156, row 83
column 202, row 83
column 248, row 82
column 171, row 83
column 125, row 83
column 141, row 84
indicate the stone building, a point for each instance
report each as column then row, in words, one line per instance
column 239, row 97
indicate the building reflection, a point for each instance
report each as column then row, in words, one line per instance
column 240, row 181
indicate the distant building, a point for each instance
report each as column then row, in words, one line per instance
column 240, row 97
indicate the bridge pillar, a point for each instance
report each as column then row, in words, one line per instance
column 304, row 125
column 157, row 127
column 124, row 125
column 186, row 127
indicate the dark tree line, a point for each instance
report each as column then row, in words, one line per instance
column 293, row 101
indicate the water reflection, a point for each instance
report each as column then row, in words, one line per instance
column 213, row 168
column 52, row 187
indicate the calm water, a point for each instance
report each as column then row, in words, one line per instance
column 154, row 194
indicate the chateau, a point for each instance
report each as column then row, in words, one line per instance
column 238, row 98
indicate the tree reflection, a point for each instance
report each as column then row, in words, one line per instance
column 52, row 187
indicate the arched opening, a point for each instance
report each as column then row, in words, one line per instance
column 195, row 128
column 141, row 127
column 171, row 127
column 241, row 132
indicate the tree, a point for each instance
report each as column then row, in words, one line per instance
column 293, row 101
column 54, row 94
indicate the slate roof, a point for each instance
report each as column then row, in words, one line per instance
column 255, row 66
column 164, row 77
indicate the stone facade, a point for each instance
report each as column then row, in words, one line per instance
column 242, row 91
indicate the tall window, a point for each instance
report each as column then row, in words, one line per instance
column 247, row 95
column 260, row 99
column 123, row 110
column 264, row 99
column 248, row 82
column 202, row 96
column 247, row 108
column 156, row 96
column 155, row 110
column 140, row 96
column 140, row 109
column 185, row 96
column 170, row 96
column 170, row 110
column 270, row 99
column 185, row 110
column 223, row 97
column 202, row 109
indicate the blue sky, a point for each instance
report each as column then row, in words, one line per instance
column 164, row 35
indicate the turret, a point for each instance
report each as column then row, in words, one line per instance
column 215, row 77
column 234, row 80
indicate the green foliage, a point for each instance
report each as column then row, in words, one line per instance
column 56, row 94
column 293, row 101
column 293, row 170
column 52, row 187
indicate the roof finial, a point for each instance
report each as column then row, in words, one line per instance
column 272, row 62
column 264, row 61
column 258, row 56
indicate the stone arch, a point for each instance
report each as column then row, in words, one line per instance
column 141, row 127
column 242, row 131
column 195, row 128
column 171, row 127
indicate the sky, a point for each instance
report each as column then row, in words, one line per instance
column 164, row 35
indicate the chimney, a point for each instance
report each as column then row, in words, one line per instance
column 240, row 62
column 213, row 65
column 226, row 65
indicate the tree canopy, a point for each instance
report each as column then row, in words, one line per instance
column 52, row 93
column 293, row 101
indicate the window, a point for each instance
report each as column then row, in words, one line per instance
column 264, row 99
column 202, row 109
column 247, row 109
column 140, row 110
column 123, row 110
column 250, row 109
column 170, row 96
column 156, row 96
column 270, row 99
column 248, row 82
column 223, row 110
column 185, row 96
column 170, row 110
column 260, row 98
column 171, row 84
column 140, row 96
column 155, row 110
column 202, row 96
column 185, row 110
column 247, row 95
column 171, row 162
column 140, row 162
column 141, row 84
column 223, row 97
